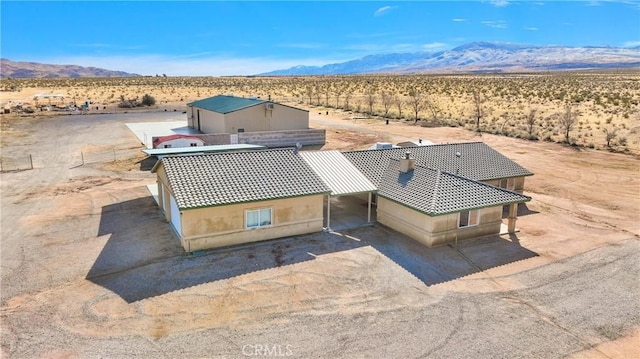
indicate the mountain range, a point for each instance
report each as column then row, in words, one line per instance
column 18, row 69
column 478, row 57
column 475, row 57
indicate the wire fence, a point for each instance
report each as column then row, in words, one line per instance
column 20, row 163
column 69, row 159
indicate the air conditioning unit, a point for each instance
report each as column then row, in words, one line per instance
column 269, row 106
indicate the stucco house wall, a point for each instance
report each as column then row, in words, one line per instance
column 435, row 230
column 258, row 118
column 221, row 226
column 515, row 184
column 251, row 119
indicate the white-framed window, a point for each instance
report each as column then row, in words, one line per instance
column 468, row 218
column 258, row 218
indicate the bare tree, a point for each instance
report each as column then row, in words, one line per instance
column 370, row 96
column 609, row 135
column 399, row 102
column 567, row 120
column 337, row 92
column 416, row 101
column 347, row 99
column 318, row 92
column 358, row 103
column 387, row 101
column 308, row 91
column 531, row 120
column 479, row 110
column 327, row 93
column 433, row 107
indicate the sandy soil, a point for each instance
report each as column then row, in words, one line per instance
column 89, row 268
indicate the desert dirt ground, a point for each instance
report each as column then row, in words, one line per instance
column 89, row 269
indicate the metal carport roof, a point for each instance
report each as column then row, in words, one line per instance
column 337, row 172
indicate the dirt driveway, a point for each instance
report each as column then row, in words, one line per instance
column 90, row 270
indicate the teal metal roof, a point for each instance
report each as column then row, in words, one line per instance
column 225, row 104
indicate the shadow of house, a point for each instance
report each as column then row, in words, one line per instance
column 143, row 259
column 158, row 276
column 137, row 236
column 147, row 163
column 523, row 210
column 433, row 265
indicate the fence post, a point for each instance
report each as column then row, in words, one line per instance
column 31, row 161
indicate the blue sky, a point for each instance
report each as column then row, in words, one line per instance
column 214, row 38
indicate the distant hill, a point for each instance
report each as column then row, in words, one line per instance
column 478, row 57
column 17, row 69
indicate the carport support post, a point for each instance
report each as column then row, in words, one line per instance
column 369, row 210
column 513, row 213
column 328, row 212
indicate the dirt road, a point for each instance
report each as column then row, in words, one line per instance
column 89, row 269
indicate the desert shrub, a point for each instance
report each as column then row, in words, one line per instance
column 148, row 100
column 128, row 104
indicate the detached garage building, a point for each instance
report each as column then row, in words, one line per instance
column 230, row 114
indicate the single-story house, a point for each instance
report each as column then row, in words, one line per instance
column 231, row 114
column 222, row 199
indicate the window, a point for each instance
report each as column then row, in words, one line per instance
column 258, row 218
column 167, row 146
column 469, row 218
column 240, row 130
column 193, row 144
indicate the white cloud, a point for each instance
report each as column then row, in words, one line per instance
column 631, row 44
column 500, row 3
column 188, row 65
column 434, row 46
column 383, row 10
column 531, row 28
column 459, row 20
column 500, row 24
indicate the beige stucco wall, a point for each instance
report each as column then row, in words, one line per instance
column 257, row 118
column 514, row 183
column 436, row 230
column 251, row 119
column 221, row 226
column 163, row 193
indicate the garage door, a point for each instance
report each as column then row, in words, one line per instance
column 175, row 215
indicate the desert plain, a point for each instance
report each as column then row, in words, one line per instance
column 89, row 268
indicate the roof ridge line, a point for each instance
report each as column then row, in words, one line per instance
column 432, row 204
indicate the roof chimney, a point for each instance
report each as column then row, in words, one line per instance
column 407, row 163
